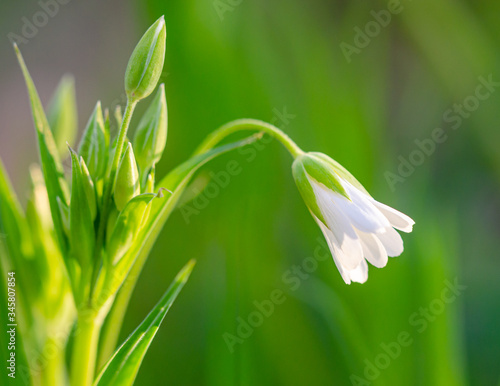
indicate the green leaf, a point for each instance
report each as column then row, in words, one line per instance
column 146, row 62
column 94, row 144
column 122, row 368
column 151, row 134
column 51, row 165
column 62, row 114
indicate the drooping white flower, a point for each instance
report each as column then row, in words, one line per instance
column 357, row 227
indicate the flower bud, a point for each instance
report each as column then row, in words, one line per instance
column 127, row 179
column 94, row 144
column 151, row 134
column 146, row 63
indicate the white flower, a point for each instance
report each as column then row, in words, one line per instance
column 357, row 227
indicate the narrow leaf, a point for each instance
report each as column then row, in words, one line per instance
column 122, row 368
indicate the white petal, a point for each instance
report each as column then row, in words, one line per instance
column 392, row 242
column 360, row 273
column 373, row 249
column 343, row 234
column 360, row 210
column 335, row 251
column 397, row 219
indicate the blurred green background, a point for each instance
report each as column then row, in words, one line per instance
column 229, row 59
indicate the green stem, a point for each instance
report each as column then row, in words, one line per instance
column 249, row 124
column 85, row 348
column 108, row 191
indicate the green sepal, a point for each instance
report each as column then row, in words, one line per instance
column 151, row 134
column 94, row 144
column 305, row 188
column 322, row 172
column 341, row 171
column 124, row 365
column 62, row 114
column 82, row 233
column 127, row 179
column 146, row 62
column 127, row 227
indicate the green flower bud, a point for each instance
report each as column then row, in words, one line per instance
column 94, row 144
column 127, row 179
column 151, row 134
column 82, row 234
column 62, row 114
column 88, row 187
column 146, row 63
column 127, row 226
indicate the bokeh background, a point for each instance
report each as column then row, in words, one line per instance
column 230, row 59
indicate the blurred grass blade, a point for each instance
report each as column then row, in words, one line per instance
column 63, row 116
column 51, row 165
column 122, row 368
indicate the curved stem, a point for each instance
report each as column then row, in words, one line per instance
column 108, row 191
column 249, row 124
